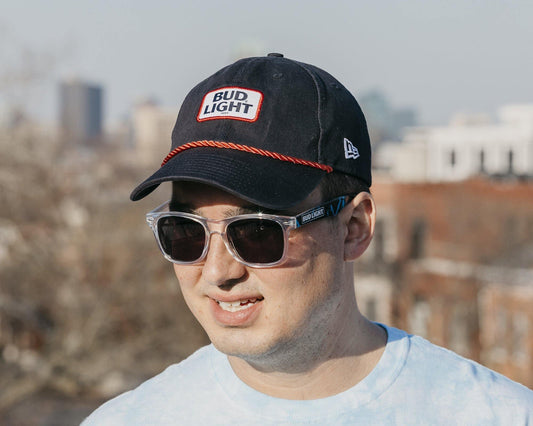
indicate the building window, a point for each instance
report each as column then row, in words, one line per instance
column 458, row 329
column 453, row 158
column 418, row 237
column 520, row 333
column 512, row 229
column 510, row 159
column 499, row 349
column 419, row 317
column 482, row 162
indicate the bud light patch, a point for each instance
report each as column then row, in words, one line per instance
column 234, row 103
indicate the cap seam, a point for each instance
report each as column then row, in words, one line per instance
column 319, row 107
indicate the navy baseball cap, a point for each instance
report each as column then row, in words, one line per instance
column 266, row 129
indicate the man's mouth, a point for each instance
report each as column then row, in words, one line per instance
column 239, row 305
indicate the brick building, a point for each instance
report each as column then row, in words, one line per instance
column 453, row 262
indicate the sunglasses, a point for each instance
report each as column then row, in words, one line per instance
column 257, row 240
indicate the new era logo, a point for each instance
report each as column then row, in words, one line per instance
column 231, row 102
column 350, row 151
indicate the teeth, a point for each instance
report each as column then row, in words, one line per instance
column 238, row 305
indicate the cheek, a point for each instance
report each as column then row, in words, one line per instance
column 320, row 274
column 186, row 273
column 301, row 285
column 315, row 253
column 318, row 237
column 187, row 277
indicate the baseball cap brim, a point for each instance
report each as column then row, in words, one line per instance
column 245, row 175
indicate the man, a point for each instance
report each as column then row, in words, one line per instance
column 270, row 165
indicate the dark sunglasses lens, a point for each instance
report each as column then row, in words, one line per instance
column 257, row 240
column 181, row 238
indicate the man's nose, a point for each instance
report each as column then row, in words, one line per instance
column 220, row 267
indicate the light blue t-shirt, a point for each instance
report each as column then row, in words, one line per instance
column 414, row 383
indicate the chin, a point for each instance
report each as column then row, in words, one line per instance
column 236, row 343
column 262, row 352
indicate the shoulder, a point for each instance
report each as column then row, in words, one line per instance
column 450, row 380
column 151, row 397
column 441, row 362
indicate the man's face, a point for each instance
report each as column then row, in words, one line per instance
column 265, row 315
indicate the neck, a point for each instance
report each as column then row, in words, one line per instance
column 353, row 352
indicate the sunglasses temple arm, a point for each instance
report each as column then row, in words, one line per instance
column 161, row 207
column 150, row 216
column 331, row 208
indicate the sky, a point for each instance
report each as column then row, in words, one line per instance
column 438, row 57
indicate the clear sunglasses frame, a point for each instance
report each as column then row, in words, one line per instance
column 287, row 224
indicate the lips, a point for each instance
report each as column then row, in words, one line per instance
column 236, row 312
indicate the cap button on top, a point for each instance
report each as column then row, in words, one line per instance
column 277, row 55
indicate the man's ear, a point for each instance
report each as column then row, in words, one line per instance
column 360, row 226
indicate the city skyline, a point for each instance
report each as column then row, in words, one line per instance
column 437, row 58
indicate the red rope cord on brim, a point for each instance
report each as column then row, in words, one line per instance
column 252, row 150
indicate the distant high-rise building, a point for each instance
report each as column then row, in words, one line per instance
column 385, row 122
column 81, row 113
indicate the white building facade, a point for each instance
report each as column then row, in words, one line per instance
column 469, row 146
